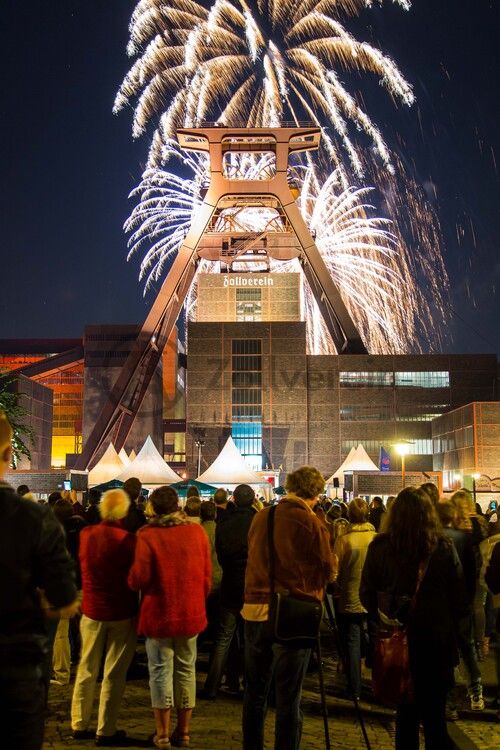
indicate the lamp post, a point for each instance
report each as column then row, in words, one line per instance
column 199, row 442
column 403, row 449
column 475, row 476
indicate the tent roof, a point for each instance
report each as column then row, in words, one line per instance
column 361, row 461
column 340, row 471
column 149, row 467
column 229, row 468
column 132, row 455
column 109, row 466
column 123, row 455
column 357, row 460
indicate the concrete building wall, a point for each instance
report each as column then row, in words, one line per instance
column 315, row 408
column 466, row 441
column 36, row 399
column 106, row 349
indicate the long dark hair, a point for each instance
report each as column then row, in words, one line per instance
column 413, row 526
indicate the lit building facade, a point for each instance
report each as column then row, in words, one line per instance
column 254, row 380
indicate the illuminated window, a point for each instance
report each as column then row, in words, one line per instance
column 423, row 379
column 364, row 413
column 366, row 378
column 246, row 397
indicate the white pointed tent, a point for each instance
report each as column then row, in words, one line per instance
column 132, row 455
column 357, row 460
column 149, row 467
column 107, row 468
column 361, row 461
column 229, row 468
column 339, row 474
column 123, row 455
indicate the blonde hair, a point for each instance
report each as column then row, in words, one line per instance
column 114, row 505
column 464, row 505
column 306, row 482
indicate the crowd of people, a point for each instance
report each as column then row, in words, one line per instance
column 81, row 585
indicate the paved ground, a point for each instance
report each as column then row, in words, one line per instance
column 217, row 724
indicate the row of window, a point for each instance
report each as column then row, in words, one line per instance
column 438, row 379
column 415, row 448
column 463, row 438
column 246, row 396
column 383, row 413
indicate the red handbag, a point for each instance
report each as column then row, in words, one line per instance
column 391, row 677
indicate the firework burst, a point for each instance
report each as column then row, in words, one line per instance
column 257, row 63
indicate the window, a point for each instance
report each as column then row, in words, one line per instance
column 422, row 379
column 420, row 413
column 366, row 378
column 248, row 305
column 246, row 397
column 364, row 413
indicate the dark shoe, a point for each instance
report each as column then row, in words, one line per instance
column 179, row 740
column 82, row 734
column 113, row 740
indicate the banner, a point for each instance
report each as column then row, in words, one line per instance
column 384, row 460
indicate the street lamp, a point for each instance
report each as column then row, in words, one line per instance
column 475, row 477
column 402, row 449
column 199, row 442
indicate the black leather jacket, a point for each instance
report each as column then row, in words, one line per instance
column 33, row 557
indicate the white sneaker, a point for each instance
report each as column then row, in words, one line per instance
column 477, row 702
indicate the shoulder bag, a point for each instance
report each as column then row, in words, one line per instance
column 294, row 622
column 391, row 678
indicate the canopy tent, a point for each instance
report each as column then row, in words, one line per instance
column 340, row 471
column 182, row 487
column 108, row 467
column 149, row 467
column 361, row 461
column 229, row 468
column 123, row 455
column 357, row 460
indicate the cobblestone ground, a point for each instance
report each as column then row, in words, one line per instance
column 217, row 724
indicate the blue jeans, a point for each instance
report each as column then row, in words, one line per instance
column 353, row 635
column 172, row 676
column 466, row 648
column 227, row 630
column 263, row 657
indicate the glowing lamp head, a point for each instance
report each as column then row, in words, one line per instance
column 476, row 476
column 402, row 449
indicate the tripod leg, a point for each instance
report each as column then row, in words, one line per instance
column 324, row 709
column 333, row 626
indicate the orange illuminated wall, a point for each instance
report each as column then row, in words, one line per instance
column 67, row 387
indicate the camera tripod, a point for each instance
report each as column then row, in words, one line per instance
column 332, row 622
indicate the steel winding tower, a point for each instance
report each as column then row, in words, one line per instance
column 207, row 239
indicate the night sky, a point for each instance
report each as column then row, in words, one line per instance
column 68, row 164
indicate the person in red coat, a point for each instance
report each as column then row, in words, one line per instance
column 107, row 627
column 172, row 570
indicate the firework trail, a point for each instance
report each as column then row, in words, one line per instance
column 254, row 64
column 259, row 64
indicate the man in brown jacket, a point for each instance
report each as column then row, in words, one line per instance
column 304, row 564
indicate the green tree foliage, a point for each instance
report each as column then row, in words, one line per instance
column 23, row 434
